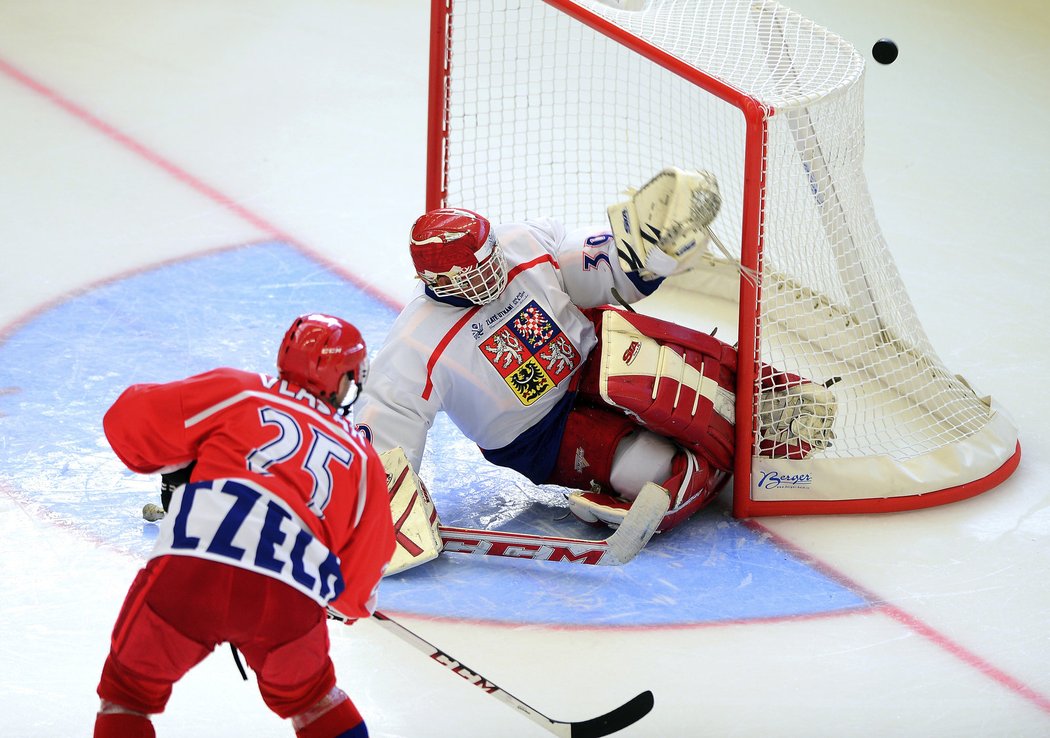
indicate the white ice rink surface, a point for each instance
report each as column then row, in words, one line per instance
column 133, row 132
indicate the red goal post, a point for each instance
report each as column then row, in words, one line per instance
column 554, row 107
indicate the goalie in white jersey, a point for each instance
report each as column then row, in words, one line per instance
column 509, row 335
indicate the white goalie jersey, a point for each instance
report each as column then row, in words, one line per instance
column 500, row 369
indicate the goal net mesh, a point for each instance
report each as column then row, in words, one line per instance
column 545, row 115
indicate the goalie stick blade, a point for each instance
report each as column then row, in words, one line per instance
column 641, row 522
column 615, row 720
column 525, row 546
column 638, row 527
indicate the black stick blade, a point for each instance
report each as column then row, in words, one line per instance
column 615, row 720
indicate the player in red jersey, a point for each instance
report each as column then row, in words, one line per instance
column 285, row 514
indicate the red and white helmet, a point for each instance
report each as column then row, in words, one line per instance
column 456, row 253
column 318, row 351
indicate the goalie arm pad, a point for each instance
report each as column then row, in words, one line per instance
column 677, row 382
column 414, row 516
column 664, row 225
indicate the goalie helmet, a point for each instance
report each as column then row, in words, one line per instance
column 317, row 352
column 457, row 255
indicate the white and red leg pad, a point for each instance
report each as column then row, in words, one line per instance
column 795, row 415
column 641, row 457
column 692, row 485
column 586, row 459
column 677, row 382
column 588, row 446
column 414, row 516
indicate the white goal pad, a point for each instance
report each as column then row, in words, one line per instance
column 553, row 107
column 415, row 518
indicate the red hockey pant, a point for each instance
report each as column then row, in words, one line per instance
column 179, row 608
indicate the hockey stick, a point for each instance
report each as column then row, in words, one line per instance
column 617, row 719
column 637, row 528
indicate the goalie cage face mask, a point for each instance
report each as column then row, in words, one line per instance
column 456, row 254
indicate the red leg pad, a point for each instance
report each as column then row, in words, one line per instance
column 693, row 485
column 587, row 446
column 677, row 382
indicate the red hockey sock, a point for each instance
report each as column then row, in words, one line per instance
column 342, row 721
column 123, row 725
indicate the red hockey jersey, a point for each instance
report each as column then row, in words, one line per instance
column 283, row 485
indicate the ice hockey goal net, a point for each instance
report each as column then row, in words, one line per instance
column 553, row 107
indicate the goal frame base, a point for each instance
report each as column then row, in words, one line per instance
column 745, row 507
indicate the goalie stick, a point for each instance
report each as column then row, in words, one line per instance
column 421, row 537
column 615, row 720
column 637, row 529
column 623, row 545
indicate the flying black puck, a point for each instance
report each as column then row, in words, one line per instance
column 884, row 51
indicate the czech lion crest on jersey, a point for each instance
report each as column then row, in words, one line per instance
column 531, row 353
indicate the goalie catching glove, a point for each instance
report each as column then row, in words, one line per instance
column 665, row 224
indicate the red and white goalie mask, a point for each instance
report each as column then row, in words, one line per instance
column 457, row 255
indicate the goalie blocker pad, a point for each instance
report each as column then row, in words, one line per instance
column 415, row 518
column 676, row 382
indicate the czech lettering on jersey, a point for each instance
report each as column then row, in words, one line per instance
column 531, row 353
column 242, row 524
